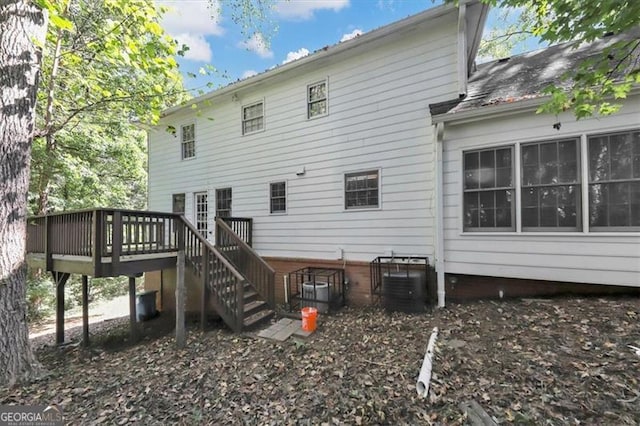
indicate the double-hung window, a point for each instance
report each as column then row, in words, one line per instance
column 253, row 118
column 317, row 99
column 489, row 190
column 551, row 185
column 188, row 141
column 278, row 197
column 178, row 202
column 361, row 190
column 223, row 202
column 614, row 181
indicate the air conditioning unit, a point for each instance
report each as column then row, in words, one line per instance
column 404, row 291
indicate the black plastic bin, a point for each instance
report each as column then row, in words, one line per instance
column 146, row 305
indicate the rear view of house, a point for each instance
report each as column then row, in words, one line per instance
column 394, row 144
column 332, row 156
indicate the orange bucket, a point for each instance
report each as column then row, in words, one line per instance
column 309, row 316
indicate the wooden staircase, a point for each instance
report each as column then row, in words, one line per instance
column 232, row 277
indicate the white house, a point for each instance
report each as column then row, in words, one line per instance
column 536, row 196
column 337, row 159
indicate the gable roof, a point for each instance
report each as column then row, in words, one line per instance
column 397, row 28
column 524, row 77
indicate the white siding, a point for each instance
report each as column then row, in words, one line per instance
column 378, row 99
column 600, row 258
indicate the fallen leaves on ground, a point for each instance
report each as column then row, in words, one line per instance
column 555, row 361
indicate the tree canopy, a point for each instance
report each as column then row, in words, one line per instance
column 599, row 84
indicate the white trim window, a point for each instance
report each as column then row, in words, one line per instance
column 489, row 192
column 317, row 99
column 554, row 175
column 188, row 141
column 614, row 181
column 178, row 203
column 253, row 118
column 223, row 202
column 278, row 197
column 551, row 186
column 362, row 190
column 201, row 212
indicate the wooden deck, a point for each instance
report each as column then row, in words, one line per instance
column 116, row 242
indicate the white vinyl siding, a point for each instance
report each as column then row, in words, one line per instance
column 584, row 256
column 378, row 119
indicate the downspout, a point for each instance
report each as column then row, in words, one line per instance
column 438, row 136
column 462, row 51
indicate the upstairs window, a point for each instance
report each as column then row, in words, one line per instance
column 489, row 190
column 614, row 181
column 253, row 118
column 223, row 202
column 551, row 186
column 278, row 197
column 317, row 99
column 188, row 141
column 361, row 190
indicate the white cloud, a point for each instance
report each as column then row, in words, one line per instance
column 292, row 56
column 190, row 22
column 353, row 34
column 304, row 9
column 258, row 45
column 249, row 73
column 199, row 47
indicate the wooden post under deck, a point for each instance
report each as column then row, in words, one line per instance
column 133, row 320
column 85, row 310
column 60, row 279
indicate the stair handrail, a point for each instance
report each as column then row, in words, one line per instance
column 264, row 279
column 233, row 317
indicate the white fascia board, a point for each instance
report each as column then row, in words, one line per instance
column 354, row 43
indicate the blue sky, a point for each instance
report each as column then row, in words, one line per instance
column 295, row 28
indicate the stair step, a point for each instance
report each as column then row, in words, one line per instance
column 253, row 307
column 258, row 318
column 249, row 296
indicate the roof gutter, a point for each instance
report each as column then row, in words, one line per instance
column 499, row 110
column 319, row 55
column 490, row 110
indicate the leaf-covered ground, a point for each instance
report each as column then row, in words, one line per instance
column 556, row 361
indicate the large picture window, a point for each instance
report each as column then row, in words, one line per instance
column 489, row 190
column 252, row 118
column 223, row 202
column 614, row 181
column 361, row 190
column 550, row 185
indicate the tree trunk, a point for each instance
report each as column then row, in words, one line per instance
column 22, row 31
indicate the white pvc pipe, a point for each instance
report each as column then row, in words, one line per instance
column 285, row 280
column 424, row 378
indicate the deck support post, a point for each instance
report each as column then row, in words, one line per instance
column 204, row 300
column 85, row 311
column 181, row 333
column 60, row 279
column 133, row 320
